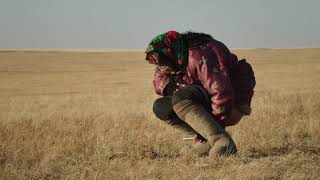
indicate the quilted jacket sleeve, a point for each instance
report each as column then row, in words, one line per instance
column 218, row 85
column 161, row 80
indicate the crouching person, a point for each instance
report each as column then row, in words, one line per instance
column 204, row 87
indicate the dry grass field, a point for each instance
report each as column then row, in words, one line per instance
column 76, row 115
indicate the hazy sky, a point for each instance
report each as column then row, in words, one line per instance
column 132, row 23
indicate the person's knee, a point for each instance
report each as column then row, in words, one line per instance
column 182, row 94
column 162, row 108
column 191, row 92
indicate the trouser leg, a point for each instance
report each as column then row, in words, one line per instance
column 190, row 104
column 162, row 108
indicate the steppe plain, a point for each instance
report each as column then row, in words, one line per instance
column 88, row 115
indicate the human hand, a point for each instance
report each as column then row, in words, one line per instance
column 199, row 139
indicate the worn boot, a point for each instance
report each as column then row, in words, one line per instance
column 197, row 148
column 163, row 109
column 181, row 126
column 204, row 123
column 201, row 149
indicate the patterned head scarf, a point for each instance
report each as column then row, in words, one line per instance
column 168, row 49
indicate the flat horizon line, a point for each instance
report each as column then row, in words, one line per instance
column 110, row 49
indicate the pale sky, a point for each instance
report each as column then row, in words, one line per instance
column 133, row 23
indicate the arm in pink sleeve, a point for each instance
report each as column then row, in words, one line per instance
column 160, row 80
column 242, row 79
column 218, row 85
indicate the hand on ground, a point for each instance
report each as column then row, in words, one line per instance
column 198, row 138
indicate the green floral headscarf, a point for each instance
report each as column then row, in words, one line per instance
column 168, row 49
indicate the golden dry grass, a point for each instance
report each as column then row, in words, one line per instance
column 88, row 116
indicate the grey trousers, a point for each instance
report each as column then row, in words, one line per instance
column 163, row 107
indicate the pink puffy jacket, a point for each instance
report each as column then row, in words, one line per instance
column 229, row 82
